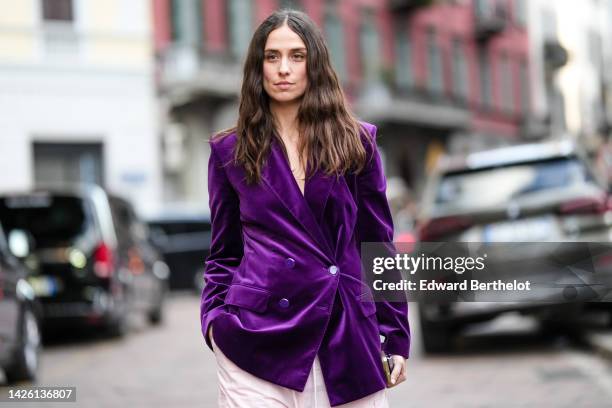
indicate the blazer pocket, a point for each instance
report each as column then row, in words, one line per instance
column 248, row 297
column 366, row 304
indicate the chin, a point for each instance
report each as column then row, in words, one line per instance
column 285, row 98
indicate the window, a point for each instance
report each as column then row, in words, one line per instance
column 57, row 10
column 50, row 218
column 59, row 36
column 239, row 26
column 462, row 190
column 335, row 39
column 369, row 48
column 403, row 60
column 187, row 20
column 520, row 12
column 481, row 8
column 505, row 78
column 485, row 77
column 434, row 61
column 460, row 78
column 289, row 4
column 68, row 163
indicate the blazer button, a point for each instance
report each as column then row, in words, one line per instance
column 284, row 303
column 333, row 269
column 289, row 262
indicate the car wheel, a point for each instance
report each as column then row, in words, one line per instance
column 437, row 338
column 117, row 327
column 25, row 364
column 156, row 315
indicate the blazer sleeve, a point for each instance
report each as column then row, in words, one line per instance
column 375, row 224
column 226, row 248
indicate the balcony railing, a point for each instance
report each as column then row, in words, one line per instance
column 412, row 107
column 409, row 5
column 188, row 70
column 491, row 23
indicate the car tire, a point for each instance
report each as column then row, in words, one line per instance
column 24, row 366
column 117, row 327
column 437, row 338
column 155, row 316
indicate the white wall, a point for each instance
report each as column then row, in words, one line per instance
column 103, row 92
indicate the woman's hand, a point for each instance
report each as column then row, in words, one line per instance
column 398, row 375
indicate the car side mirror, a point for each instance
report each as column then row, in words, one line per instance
column 19, row 243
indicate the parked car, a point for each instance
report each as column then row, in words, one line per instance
column 95, row 261
column 544, row 192
column 19, row 315
column 184, row 240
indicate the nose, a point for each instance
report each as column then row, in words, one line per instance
column 284, row 66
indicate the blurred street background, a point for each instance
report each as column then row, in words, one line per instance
column 510, row 365
column 124, row 95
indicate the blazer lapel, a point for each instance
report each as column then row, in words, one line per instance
column 307, row 208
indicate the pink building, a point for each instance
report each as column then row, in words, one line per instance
column 434, row 76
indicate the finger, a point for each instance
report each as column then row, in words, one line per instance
column 404, row 367
column 401, row 362
column 402, row 376
column 397, row 369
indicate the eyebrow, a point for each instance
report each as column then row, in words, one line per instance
column 293, row 49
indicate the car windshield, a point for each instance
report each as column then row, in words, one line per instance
column 496, row 186
column 52, row 220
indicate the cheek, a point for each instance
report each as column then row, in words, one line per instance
column 267, row 80
column 268, row 73
column 303, row 76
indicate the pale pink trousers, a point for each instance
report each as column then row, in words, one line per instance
column 239, row 389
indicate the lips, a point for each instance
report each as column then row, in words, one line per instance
column 284, row 85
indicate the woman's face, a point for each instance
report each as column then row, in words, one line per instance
column 284, row 66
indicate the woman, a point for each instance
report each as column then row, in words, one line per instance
column 294, row 189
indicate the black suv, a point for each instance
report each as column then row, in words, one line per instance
column 93, row 260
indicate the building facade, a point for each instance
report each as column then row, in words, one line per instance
column 78, row 97
column 434, row 76
column 570, row 44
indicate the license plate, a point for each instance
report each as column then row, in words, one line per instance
column 528, row 230
column 45, row 286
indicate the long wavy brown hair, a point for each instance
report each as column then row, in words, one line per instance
column 329, row 132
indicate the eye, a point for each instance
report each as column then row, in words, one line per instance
column 299, row 57
column 271, row 57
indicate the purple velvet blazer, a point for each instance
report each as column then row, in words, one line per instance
column 283, row 279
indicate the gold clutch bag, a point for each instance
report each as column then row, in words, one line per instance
column 387, row 363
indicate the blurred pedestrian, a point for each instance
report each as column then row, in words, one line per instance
column 294, row 188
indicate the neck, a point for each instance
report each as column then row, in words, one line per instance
column 285, row 116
